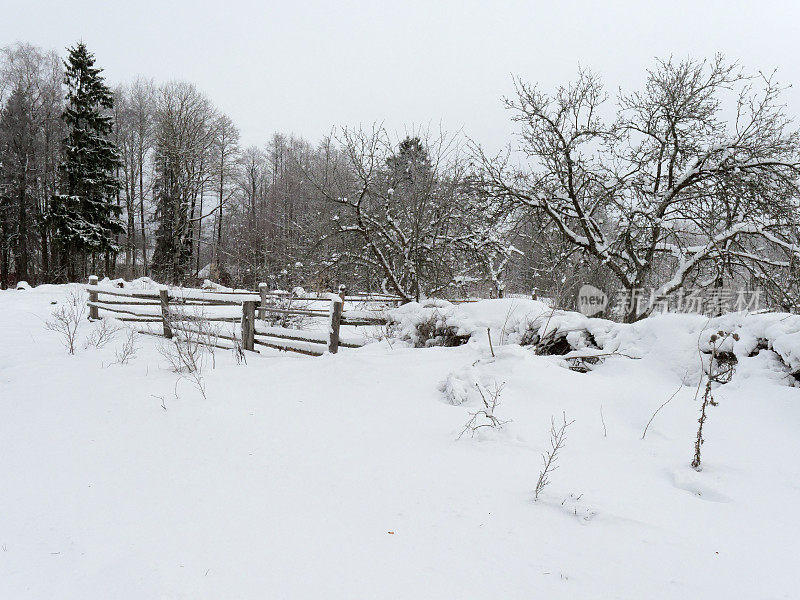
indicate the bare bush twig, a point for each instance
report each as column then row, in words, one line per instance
column 238, row 350
column 504, row 328
column 193, row 340
column 485, row 417
column 286, row 319
column 667, row 401
column 67, row 317
column 558, row 437
column 102, row 334
column 603, row 421
column 381, row 332
column 129, row 348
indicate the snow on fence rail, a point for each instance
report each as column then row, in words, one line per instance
column 169, row 307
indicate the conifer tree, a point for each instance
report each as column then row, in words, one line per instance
column 85, row 217
column 16, row 181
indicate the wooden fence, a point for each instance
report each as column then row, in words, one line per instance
column 172, row 309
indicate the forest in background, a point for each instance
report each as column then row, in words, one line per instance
column 690, row 182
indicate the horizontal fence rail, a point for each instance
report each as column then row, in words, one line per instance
column 173, row 307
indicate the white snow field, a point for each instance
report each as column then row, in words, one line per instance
column 342, row 476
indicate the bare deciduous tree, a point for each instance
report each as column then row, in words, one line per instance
column 409, row 206
column 679, row 180
column 134, row 114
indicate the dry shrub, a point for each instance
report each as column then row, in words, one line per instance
column 66, row 319
column 289, row 321
column 558, row 437
column 721, row 367
column 485, row 416
column 191, row 347
column 102, row 334
column 128, row 350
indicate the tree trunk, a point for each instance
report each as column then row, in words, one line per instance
column 3, row 244
column 67, row 264
column 199, row 233
column 46, row 274
column 141, row 213
column 130, row 246
column 219, row 218
column 21, row 250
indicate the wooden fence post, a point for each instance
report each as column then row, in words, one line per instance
column 248, row 324
column 336, row 321
column 262, row 310
column 93, row 313
column 164, row 296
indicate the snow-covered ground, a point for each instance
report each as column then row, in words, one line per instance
column 342, row 476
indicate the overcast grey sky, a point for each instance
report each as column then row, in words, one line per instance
column 303, row 67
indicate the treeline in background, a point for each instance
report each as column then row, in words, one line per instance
column 690, row 182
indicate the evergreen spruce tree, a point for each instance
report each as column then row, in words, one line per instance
column 412, row 199
column 17, row 181
column 409, row 165
column 85, row 217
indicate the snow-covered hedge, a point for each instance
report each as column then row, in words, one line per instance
column 675, row 338
column 510, row 321
column 142, row 283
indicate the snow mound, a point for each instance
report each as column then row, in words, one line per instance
column 674, row 340
column 141, row 283
column 210, row 285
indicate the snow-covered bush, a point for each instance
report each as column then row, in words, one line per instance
column 431, row 323
column 460, row 387
column 213, row 286
column 556, row 336
column 511, row 320
column 140, row 283
column 119, row 282
column 435, row 331
column 674, row 338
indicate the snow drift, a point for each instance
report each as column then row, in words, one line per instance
column 676, row 339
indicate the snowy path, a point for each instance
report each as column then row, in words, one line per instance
column 287, row 481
